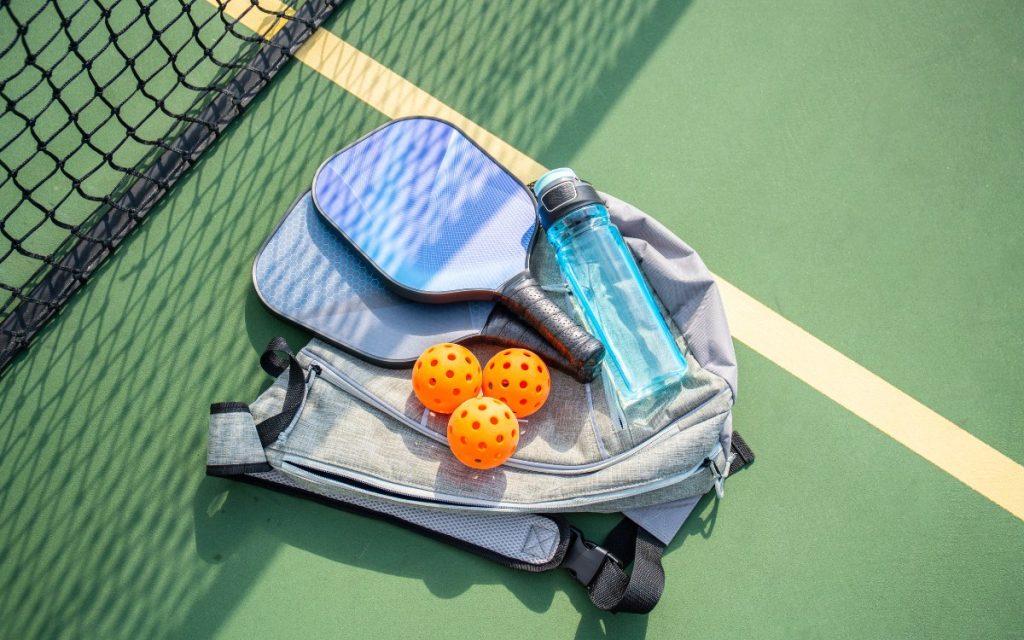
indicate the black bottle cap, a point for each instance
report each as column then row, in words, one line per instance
column 558, row 197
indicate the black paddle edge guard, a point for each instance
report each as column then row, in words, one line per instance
column 88, row 254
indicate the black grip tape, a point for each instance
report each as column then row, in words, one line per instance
column 504, row 328
column 583, row 351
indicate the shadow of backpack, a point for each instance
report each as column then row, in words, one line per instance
column 350, row 434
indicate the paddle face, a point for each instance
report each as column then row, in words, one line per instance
column 308, row 274
column 437, row 216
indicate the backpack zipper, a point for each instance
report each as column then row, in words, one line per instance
column 312, row 371
column 346, row 479
column 343, row 381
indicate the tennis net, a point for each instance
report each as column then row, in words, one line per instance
column 105, row 104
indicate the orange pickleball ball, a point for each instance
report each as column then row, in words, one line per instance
column 444, row 376
column 519, row 378
column 483, row 433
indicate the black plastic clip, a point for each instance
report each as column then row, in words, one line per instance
column 585, row 559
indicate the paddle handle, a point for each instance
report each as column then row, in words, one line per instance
column 505, row 329
column 583, row 351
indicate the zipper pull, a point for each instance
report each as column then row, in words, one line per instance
column 716, row 473
column 311, row 373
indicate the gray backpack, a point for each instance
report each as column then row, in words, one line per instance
column 339, row 430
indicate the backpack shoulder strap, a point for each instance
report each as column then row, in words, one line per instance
column 275, row 360
column 602, row 568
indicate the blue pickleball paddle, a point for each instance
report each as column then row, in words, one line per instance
column 443, row 222
column 308, row 274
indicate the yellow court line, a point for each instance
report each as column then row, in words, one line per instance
column 880, row 404
column 396, row 97
column 262, row 19
column 891, row 411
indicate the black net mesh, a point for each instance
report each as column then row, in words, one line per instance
column 105, row 104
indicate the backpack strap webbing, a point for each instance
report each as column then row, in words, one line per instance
column 742, row 455
column 275, row 359
column 602, row 568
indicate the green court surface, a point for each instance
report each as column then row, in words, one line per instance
column 93, row 109
column 857, row 167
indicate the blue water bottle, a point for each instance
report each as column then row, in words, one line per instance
column 616, row 303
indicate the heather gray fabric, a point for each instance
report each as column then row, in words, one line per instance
column 339, row 434
column 525, row 537
column 685, row 286
column 233, row 441
column 663, row 521
column 361, row 435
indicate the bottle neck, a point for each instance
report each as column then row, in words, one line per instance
column 578, row 222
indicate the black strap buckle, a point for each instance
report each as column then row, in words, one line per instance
column 583, row 559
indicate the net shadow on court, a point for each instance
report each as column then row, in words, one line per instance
column 116, row 531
